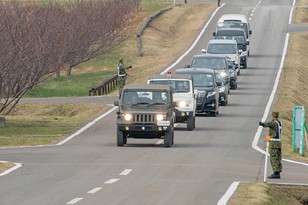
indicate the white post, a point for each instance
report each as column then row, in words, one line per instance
column 174, row 2
column 266, row 158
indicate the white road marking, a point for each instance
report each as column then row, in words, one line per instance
column 93, row 191
column 74, row 201
column 111, row 181
column 224, row 199
column 194, row 43
column 159, row 142
column 87, row 126
column 17, row 165
column 125, row 172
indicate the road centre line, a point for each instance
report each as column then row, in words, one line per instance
column 93, row 191
column 125, row 172
column 74, row 201
column 111, row 181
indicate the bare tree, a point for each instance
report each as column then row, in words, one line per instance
column 37, row 41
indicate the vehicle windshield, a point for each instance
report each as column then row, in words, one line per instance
column 145, row 97
column 217, row 48
column 178, row 86
column 203, row 80
column 214, row 63
column 239, row 39
column 233, row 24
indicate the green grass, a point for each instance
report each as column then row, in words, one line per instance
column 67, row 86
column 154, row 5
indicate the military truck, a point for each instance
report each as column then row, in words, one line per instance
column 183, row 96
column 146, row 112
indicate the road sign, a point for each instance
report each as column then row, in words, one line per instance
column 298, row 133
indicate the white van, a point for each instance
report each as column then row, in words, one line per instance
column 235, row 21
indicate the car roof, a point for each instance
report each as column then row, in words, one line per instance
column 195, row 70
column 206, row 55
column 233, row 17
column 222, row 41
column 172, row 76
column 147, row 87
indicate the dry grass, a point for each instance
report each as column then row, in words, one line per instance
column 250, row 193
column 166, row 38
column 5, row 166
column 301, row 12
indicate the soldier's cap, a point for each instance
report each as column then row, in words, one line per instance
column 275, row 114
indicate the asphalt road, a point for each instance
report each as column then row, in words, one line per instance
column 90, row 169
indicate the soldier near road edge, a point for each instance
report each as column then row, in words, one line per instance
column 275, row 128
column 122, row 74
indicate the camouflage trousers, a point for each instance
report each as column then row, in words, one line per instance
column 121, row 84
column 275, row 159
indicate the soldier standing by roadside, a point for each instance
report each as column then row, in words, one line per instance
column 122, row 74
column 275, row 128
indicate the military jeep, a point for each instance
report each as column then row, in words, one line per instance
column 183, row 96
column 147, row 112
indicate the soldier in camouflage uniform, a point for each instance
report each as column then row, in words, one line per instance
column 122, row 75
column 275, row 128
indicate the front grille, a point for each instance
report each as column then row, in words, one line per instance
column 143, row 118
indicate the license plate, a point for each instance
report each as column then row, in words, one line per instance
column 163, row 123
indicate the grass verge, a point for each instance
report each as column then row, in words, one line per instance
column 38, row 124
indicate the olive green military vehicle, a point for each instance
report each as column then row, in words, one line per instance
column 146, row 112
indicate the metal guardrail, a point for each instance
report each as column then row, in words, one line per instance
column 105, row 87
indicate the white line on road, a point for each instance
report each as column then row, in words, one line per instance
column 159, row 142
column 87, row 126
column 194, row 43
column 111, row 181
column 74, row 201
column 224, row 199
column 125, row 172
column 17, row 165
column 93, row 191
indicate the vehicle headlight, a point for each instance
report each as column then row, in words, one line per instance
column 210, row 94
column 128, row 117
column 159, row 117
column 223, row 74
column 222, row 89
column 183, row 104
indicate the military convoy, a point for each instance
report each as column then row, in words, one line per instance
column 150, row 111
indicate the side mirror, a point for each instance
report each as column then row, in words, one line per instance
column 116, row 103
column 250, row 32
column 203, row 51
column 240, row 51
column 187, row 66
column 247, row 42
column 214, row 34
column 174, row 104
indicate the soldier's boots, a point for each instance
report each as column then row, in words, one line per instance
column 276, row 175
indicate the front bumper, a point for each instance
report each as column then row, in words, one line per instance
column 143, row 130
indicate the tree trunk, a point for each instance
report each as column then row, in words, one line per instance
column 2, row 121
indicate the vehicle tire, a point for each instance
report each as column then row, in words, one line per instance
column 190, row 121
column 120, row 138
column 245, row 66
column 168, row 137
column 194, row 122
